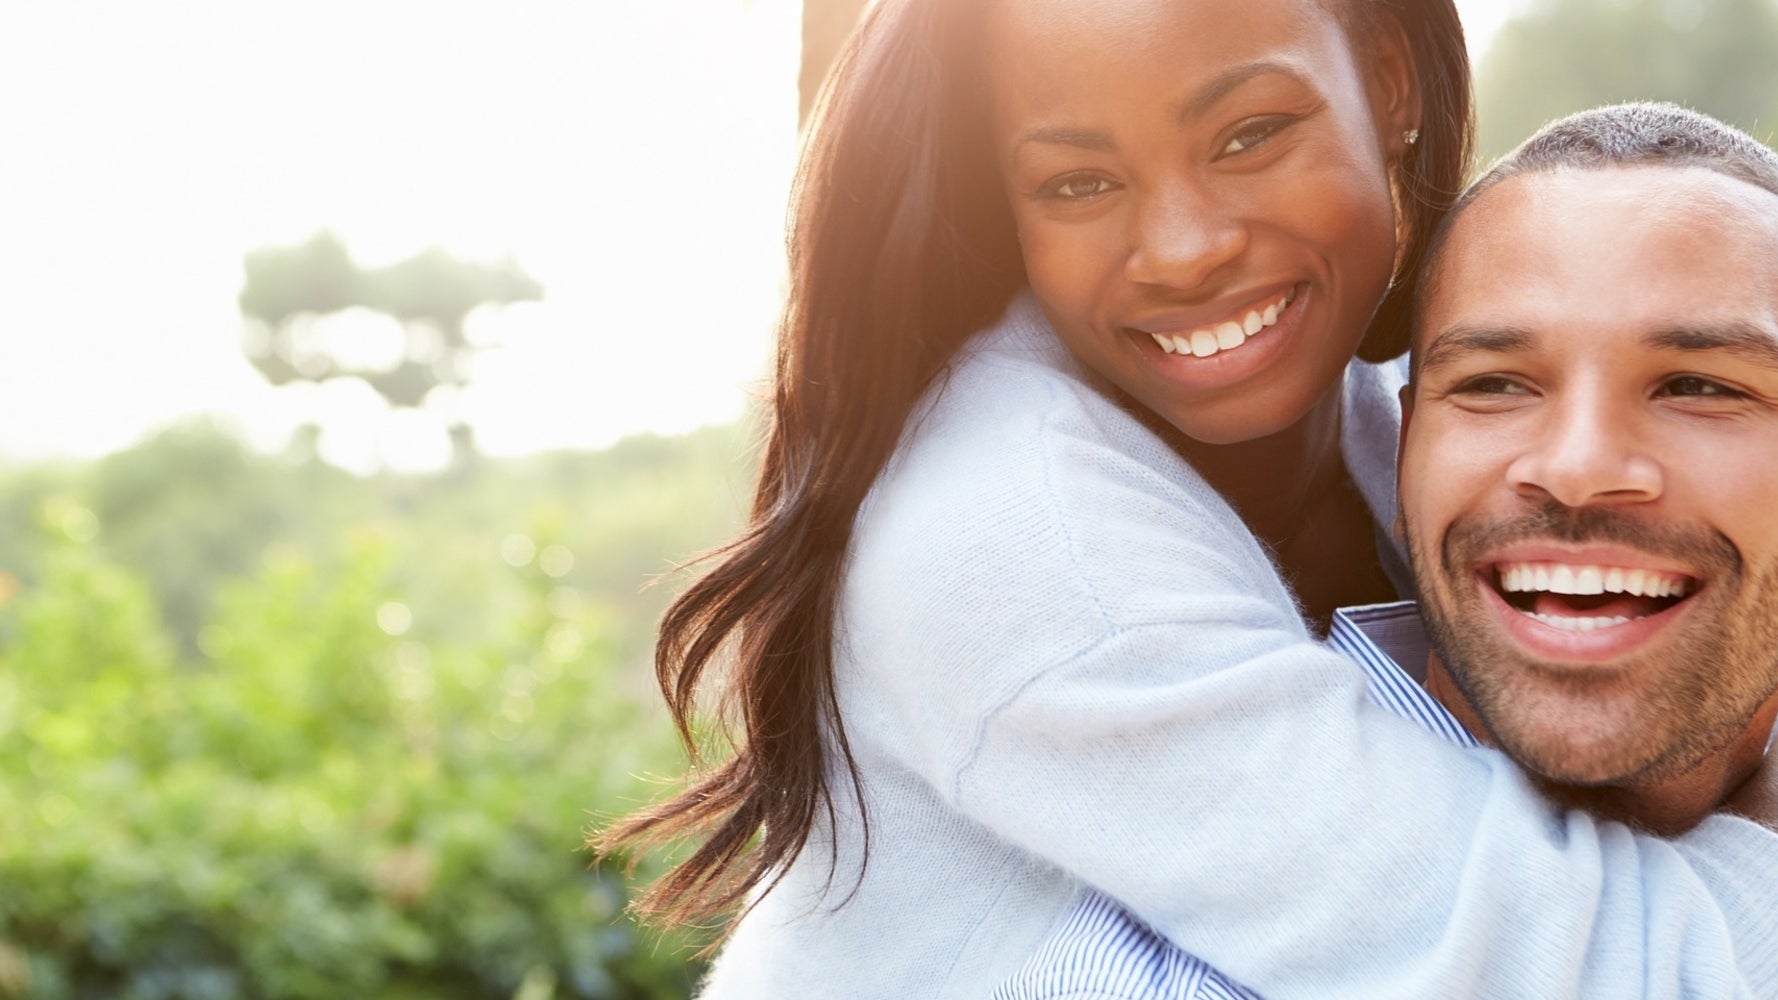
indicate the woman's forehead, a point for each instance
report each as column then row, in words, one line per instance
column 1186, row 27
column 1063, row 56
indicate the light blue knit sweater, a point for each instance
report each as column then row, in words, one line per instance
column 1063, row 661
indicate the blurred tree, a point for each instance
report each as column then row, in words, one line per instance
column 429, row 295
column 1560, row 56
column 825, row 26
column 192, row 505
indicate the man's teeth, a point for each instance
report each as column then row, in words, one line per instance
column 1562, row 578
column 1579, row 623
column 1224, row 336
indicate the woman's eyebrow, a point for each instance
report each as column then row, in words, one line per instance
column 1225, row 83
column 1063, row 135
column 1195, row 106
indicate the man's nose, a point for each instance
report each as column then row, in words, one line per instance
column 1182, row 235
column 1586, row 452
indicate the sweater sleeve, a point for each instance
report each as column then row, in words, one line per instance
column 1259, row 813
column 1094, row 660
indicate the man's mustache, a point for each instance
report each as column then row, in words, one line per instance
column 1688, row 544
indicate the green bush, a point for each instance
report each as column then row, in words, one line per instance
column 326, row 799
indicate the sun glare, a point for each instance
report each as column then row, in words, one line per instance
column 632, row 156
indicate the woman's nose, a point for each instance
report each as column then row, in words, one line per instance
column 1182, row 236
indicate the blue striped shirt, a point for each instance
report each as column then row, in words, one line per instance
column 1101, row 952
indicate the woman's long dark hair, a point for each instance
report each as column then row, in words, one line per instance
column 901, row 246
column 1433, row 173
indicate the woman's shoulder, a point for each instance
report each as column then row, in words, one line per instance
column 1014, row 413
column 1020, row 475
column 1026, row 525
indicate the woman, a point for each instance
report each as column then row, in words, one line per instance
column 1007, row 621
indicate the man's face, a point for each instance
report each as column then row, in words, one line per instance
column 1590, row 468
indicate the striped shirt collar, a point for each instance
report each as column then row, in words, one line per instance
column 1389, row 643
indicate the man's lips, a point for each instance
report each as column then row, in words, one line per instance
column 1584, row 607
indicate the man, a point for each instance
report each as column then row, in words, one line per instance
column 1588, row 497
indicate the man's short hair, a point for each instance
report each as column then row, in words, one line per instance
column 1617, row 135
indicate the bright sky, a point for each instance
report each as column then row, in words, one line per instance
column 634, row 155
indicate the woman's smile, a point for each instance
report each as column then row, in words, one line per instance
column 1211, row 177
column 1219, row 366
column 1214, row 338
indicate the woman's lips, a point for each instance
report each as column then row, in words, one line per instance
column 1223, row 368
column 1226, row 335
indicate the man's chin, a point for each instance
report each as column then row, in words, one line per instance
column 1586, row 723
column 1587, row 753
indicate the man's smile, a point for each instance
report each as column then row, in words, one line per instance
column 1583, row 597
column 1592, row 607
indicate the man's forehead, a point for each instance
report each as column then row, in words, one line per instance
column 1545, row 245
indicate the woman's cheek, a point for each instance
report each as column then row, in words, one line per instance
column 1068, row 267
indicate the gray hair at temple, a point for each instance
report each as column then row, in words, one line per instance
column 1638, row 134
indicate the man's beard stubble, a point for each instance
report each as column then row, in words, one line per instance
column 1733, row 643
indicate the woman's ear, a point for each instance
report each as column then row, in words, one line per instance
column 1394, row 87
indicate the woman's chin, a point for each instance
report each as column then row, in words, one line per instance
column 1254, row 414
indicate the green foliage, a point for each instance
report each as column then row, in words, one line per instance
column 360, row 760
column 1561, row 56
column 191, row 506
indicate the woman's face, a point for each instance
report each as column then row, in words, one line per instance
column 1202, row 194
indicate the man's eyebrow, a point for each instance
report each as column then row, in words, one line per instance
column 1744, row 340
column 1457, row 341
column 1192, row 107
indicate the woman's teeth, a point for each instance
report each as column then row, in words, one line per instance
column 1225, row 336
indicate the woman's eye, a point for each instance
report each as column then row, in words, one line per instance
column 1075, row 187
column 1254, row 133
column 1696, row 386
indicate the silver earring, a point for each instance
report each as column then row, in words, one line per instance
column 1411, row 136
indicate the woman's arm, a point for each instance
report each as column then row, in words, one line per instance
column 1100, row 665
column 1335, row 851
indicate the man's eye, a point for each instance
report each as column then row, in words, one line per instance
column 1698, row 386
column 1489, row 385
column 1254, row 133
column 1075, row 187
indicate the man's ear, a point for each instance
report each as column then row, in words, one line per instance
column 1406, row 396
